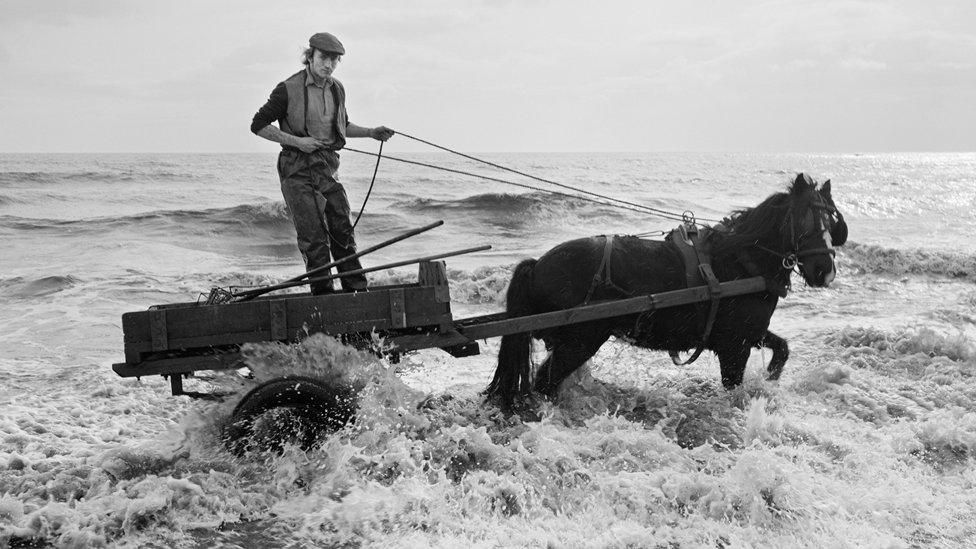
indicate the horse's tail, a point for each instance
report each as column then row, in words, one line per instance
column 512, row 374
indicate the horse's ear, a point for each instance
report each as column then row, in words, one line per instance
column 825, row 190
column 802, row 183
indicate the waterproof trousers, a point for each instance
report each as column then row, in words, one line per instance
column 320, row 211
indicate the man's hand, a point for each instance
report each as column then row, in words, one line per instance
column 381, row 133
column 309, row 144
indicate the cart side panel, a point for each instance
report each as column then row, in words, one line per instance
column 285, row 318
column 135, row 331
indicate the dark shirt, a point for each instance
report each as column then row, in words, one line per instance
column 274, row 110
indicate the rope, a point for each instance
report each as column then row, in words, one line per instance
column 376, row 168
column 662, row 213
column 665, row 213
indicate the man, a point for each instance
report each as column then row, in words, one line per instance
column 310, row 108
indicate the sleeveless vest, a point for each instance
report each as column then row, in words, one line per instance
column 294, row 121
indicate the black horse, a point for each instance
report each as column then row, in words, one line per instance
column 795, row 229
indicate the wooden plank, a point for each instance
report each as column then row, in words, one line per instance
column 135, row 328
column 218, row 319
column 398, row 312
column 215, row 324
column 305, row 315
column 423, row 309
column 224, row 361
column 434, row 273
column 157, row 329
column 279, row 319
column 419, row 309
column 352, row 307
column 204, row 341
column 414, row 342
column 608, row 309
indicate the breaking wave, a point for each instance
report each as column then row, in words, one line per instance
column 908, row 341
column 20, row 287
column 874, row 259
column 265, row 214
column 484, row 285
column 147, row 175
column 678, row 463
column 534, row 205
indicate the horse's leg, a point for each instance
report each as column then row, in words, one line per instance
column 781, row 352
column 732, row 362
column 569, row 352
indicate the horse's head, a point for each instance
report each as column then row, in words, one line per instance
column 815, row 227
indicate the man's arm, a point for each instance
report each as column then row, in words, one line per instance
column 306, row 144
column 275, row 109
column 381, row 133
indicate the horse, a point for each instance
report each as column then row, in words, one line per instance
column 796, row 229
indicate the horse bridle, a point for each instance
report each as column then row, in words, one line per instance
column 793, row 258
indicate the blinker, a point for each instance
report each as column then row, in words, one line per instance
column 838, row 233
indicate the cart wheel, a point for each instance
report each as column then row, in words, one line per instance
column 295, row 409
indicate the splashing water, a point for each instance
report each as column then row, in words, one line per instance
column 867, row 441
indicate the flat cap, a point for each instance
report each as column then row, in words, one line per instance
column 327, row 43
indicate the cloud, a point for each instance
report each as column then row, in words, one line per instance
column 58, row 12
column 571, row 71
column 862, row 64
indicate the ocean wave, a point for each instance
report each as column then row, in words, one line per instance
column 874, row 259
column 93, row 176
column 505, row 206
column 265, row 214
column 484, row 285
column 905, row 342
column 21, row 287
column 272, row 213
column 260, row 214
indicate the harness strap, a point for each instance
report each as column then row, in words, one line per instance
column 602, row 275
column 687, row 240
column 715, row 293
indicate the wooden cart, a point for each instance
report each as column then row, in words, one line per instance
column 179, row 339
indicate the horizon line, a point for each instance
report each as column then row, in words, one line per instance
column 662, row 151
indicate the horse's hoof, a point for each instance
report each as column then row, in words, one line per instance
column 525, row 407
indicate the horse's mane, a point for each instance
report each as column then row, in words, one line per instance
column 748, row 226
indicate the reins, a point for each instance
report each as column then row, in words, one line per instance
column 376, row 168
column 603, row 200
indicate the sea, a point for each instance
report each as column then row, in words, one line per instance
column 868, row 440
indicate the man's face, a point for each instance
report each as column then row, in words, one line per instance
column 323, row 63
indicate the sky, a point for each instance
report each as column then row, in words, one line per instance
column 502, row 75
